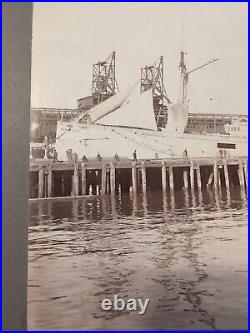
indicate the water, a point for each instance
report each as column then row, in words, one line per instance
column 186, row 253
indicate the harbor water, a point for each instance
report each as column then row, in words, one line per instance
column 186, row 252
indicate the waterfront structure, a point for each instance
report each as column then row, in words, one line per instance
column 48, row 179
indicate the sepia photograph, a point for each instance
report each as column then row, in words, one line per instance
column 138, row 166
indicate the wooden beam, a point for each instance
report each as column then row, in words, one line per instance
column 210, row 179
column 198, row 173
column 185, row 179
column 226, row 175
column 171, row 177
column 246, row 172
column 144, row 177
column 76, row 181
column 241, row 175
column 104, row 179
column 84, row 183
column 49, row 182
column 112, row 177
column 164, row 177
column 192, row 175
column 134, row 177
column 40, row 182
column 215, row 174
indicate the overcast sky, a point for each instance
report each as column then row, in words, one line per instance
column 69, row 37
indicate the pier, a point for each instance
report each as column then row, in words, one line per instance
column 68, row 179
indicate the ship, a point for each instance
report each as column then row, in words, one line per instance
column 125, row 123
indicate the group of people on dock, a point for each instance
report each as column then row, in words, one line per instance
column 73, row 157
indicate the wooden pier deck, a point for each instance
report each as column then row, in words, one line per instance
column 62, row 179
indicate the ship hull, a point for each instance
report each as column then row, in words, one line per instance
column 149, row 144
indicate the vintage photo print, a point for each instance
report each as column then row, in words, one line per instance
column 138, row 167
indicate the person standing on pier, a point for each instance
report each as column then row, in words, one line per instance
column 134, row 156
column 55, row 156
column 99, row 157
column 185, row 153
column 116, row 157
column 84, row 158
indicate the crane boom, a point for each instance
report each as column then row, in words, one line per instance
column 208, row 63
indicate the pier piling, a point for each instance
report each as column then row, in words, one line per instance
column 104, row 179
column 215, row 174
column 40, row 182
column 191, row 175
column 75, row 184
column 185, row 179
column 134, row 177
column 241, row 175
column 144, row 178
column 112, row 177
column 246, row 173
column 171, row 177
column 226, row 175
column 198, row 173
column 83, row 174
column 49, row 182
column 164, row 177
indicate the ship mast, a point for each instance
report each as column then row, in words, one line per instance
column 185, row 75
column 183, row 79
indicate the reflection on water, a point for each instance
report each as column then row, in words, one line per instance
column 186, row 252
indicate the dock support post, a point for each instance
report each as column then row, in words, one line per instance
column 40, row 182
column 192, row 175
column 83, row 170
column 104, row 179
column 144, row 178
column 49, row 182
column 185, row 179
column 226, row 175
column 215, row 175
column 75, row 181
column 198, row 171
column 246, row 172
column 171, row 178
column 210, row 179
column 241, row 175
column 112, row 177
column 134, row 177
column 219, row 179
column 164, row 177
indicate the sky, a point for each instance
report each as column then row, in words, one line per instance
column 68, row 38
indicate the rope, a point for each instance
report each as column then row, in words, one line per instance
column 141, row 144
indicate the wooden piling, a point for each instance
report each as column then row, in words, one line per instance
column 171, row 177
column 210, row 179
column 164, row 177
column 40, row 182
column 185, row 179
column 198, row 173
column 219, row 180
column 144, row 178
column 112, row 177
column 192, row 175
column 134, row 177
column 246, row 172
column 75, row 184
column 84, row 183
column 226, row 175
column 215, row 174
column 104, row 179
column 241, row 175
column 49, row 181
